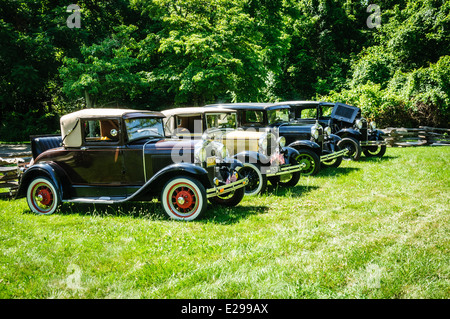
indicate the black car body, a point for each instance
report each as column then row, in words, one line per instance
column 357, row 134
column 310, row 140
column 109, row 156
column 264, row 155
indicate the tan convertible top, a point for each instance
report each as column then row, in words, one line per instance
column 71, row 128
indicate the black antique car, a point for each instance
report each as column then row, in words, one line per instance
column 264, row 155
column 313, row 143
column 357, row 134
column 109, row 156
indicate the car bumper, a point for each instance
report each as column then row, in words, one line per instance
column 372, row 143
column 227, row 188
column 282, row 170
column 333, row 155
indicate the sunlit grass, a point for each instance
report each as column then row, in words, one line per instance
column 378, row 228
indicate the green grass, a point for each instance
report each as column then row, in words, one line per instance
column 378, row 228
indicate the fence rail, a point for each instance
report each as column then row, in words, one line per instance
column 10, row 164
column 422, row 136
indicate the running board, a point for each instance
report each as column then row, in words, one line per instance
column 97, row 200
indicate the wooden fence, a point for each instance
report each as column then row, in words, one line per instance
column 422, row 136
column 10, row 165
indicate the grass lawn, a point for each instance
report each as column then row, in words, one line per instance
column 378, row 228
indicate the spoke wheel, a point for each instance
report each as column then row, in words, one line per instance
column 335, row 162
column 374, row 151
column 42, row 197
column 257, row 182
column 230, row 199
column 184, row 198
column 311, row 160
column 354, row 149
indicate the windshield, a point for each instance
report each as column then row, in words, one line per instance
column 138, row 128
column 277, row 116
column 221, row 121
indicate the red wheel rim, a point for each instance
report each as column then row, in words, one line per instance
column 183, row 200
column 42, row 197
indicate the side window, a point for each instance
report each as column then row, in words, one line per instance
column 103, row 131
column 251, row 117
column 308, row 113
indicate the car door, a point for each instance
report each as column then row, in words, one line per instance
column 99, row 160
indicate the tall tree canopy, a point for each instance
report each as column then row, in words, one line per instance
column 153, row 54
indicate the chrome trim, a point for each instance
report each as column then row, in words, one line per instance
column 224, row 189
column 288, row 170
column 333, row 155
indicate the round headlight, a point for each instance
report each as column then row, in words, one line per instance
column 359, row 124
column 200, row 154
column 281, row 141
column 314, row 132
column 373, row 125
column 328, row 130
column 263, row 142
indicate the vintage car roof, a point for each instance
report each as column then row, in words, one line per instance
column 108, row 112
column 249, row 106
column 194, row 110
column 304, row 103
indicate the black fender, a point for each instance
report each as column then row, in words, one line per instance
column 159, row 179
column 335, row 138
column 49, row 170
column 349, row 132
column 306, row 144
column 289, row 153
column 232, row 163
column 253, row 158
column 376, row 135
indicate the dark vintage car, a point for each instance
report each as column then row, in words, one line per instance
column 357, row 134
column 263, row 154
column 315, row 145
column 109, row 156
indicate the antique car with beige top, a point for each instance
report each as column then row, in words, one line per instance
column 263, row 154
column 110, row 156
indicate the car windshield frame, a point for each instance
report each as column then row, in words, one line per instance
column 135, row 132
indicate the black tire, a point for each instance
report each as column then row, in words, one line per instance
column 286, row 180
column 42, row 196
column 312, row 161
column 374, row 151
column 257, row 181
column 230, row 199
column 184, row 198
column 353, row 147
column 335, row 162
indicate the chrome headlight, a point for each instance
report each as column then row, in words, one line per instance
column 200, row 151
column 373, row 125
column 359, row 123
column 263, row 142
column 281, row 141
column 315, row 132
column 219, row 148
column 328, row 131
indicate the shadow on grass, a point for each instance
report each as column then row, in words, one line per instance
column 376, row 159
column 296, row 191
column 336, row 171
column 152, row 210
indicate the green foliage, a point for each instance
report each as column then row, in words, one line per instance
column 154, row 54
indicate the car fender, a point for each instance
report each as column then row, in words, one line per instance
column 231, row 162
column 306, row 144
column 289, row 152
column 159, row 179
column 349, row 132
column 49, row 170
column 335, row 138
